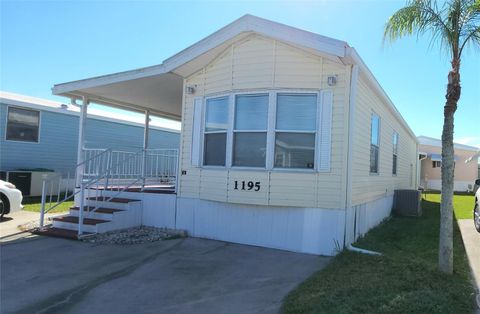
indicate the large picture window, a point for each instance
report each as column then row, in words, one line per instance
column 250, row 130
column 264, row 129
column 374, row 143
column 216, row 126
column 295, row 129
column 22, row 125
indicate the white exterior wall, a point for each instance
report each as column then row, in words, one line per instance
column 258, row 63
column 458, row 186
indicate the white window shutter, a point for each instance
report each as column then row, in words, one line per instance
column 197, row 131
column 325, row 132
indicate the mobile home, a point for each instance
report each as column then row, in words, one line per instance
column 287, row 141
column 39, row 136
column 466, row 165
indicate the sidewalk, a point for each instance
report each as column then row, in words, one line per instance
column 9, row 230
column 471, row 240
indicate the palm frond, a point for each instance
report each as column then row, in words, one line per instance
column 453, row 26
column 470, row 33
column 419, row 16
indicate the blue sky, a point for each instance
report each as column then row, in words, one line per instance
column 48, row 42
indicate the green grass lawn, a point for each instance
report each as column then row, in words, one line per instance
column 462, row 204
column 404, row 280
column 34, row 204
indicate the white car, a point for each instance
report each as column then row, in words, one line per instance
column 476, row 209
column 10, row 198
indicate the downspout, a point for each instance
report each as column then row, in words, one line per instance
column 351, row 124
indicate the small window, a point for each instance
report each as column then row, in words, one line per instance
column 295, row 131
column 374, row 143
column 395, row 153
column 216, row 125
column 250, row 130
column 436, row 164
column 22, row 125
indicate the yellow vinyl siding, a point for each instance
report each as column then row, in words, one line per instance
column 366, row 186
column 295, row 68
column 213, row 184
column 248, row 196
column 259, row 63
column 253, row 64
column 219, row 74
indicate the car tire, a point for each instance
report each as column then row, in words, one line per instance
column 4, row 205
column 476, row 217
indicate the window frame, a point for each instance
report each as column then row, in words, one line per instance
column 266, row 131
column 395, row 153
column 39, row 124
column 271, row 129
column 379, row 132
column 315, row 132
column 203, row 126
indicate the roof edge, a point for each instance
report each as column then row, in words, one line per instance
column 246, row 23
column 438, row 143
column 353, row 56
column 41, row 104
column 250, row 23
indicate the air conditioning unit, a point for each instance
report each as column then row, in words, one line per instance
column 30, row 181
column 407, row 203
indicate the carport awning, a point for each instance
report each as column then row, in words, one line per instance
column 144, row 89
column 438, row 157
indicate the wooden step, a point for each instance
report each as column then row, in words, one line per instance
column 157, row 190
column 101, row 210
column 59, row 233
column 74, row 219
column 113, row 200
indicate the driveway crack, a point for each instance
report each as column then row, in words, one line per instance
column 61, row 302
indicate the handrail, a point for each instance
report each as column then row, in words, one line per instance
column 109, row 167
column 67, row 195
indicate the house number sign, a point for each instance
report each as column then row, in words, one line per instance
column 247, row 185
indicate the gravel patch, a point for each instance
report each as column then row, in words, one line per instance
column 29, row 226
column 136, row 235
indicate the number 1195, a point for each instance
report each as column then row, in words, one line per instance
column 247, row 185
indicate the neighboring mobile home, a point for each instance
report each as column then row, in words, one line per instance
column 288, row 141
column 466, row 164
column 39, row 134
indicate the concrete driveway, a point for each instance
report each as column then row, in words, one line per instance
column 41, row 275
column 9, row 224
column 471, row 240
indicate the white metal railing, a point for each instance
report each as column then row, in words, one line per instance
column 114, row 171
column 157, row 166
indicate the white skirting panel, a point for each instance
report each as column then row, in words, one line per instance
column 458, row 186
column 159, row 210
column 306, row 230
column 363, row 217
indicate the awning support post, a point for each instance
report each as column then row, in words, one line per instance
column 145, row 147
column 81, row 141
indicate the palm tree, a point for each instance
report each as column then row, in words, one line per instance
column 454, row 25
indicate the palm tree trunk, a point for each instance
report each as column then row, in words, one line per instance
column 445, row 258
